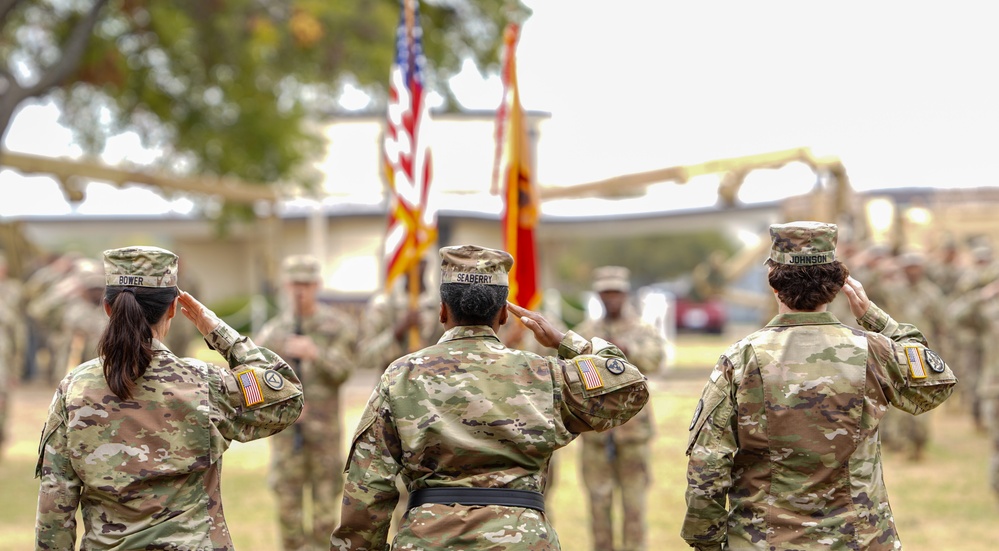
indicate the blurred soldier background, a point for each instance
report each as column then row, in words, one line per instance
column 945, row 271
column 84, row 318
column 914, row 298
column 47, row 306
column 988, row 391
column 10, row 321
column 387, row 334
column 972, row 329
column 388, row 319
column 619, row 458
column 306, row 460
column 43, row 337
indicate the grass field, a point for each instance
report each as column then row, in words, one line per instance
column 941, row 504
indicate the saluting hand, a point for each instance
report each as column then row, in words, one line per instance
column 854, row 291
column 204, row 319
column 544, row 332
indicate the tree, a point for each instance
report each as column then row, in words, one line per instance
column 222, row 85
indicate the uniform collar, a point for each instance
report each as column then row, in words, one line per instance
column 803, row 318
column 469, row 332
column 157, row 345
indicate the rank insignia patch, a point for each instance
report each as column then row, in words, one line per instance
column 915, row 360
column 251, row 388
column 588, row 371
column 934, row 360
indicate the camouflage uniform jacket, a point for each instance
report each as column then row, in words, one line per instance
column 334, row 335
column 146, row 471
column 471, row 412
column 646, row 350
column 378, row 346
column 787, row 430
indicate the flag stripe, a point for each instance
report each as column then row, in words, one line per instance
column 588, row 370
column 412, row 215
column 251, row 389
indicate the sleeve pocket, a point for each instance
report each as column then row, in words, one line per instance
column 711, row 398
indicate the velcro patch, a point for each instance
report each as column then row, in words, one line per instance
column 251, row 388
column 915, row 359
column 588, row 372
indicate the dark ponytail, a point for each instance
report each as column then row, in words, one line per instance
column 125, row 347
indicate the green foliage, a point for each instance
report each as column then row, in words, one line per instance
column 223, row 86
column 651, row 258
column 236, row 311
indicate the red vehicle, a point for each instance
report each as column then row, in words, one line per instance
column 707, row 316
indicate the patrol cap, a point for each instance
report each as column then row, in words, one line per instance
column 803, row 243
column 140, row 267
column 470, row 264
column 911, row 258
column 611, row 278
column 301, row 268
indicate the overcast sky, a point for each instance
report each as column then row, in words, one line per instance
column 904, row 93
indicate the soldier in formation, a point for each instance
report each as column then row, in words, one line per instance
column 470, row 425
column 783, row 447
column 616, row 464
column 914, row 298
column 134, row 438
column 973, row 328
column 317, row 341
column 10, row 339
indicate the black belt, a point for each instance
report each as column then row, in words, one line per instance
column 478, row 496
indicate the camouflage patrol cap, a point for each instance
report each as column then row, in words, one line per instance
column 140, row 267
column 472, row 264
column 611, row 278
column 803, row 243
column 911, row 258
column 301, row 268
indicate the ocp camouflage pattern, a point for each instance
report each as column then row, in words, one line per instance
column 153, row 266
column 787, row 432
column 471, row 412
column 146, row 471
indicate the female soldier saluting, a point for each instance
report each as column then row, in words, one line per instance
column 135, row 437
column 471, row 425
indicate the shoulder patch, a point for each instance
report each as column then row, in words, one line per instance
column 251, row 388
column 615, row 366
column 589, row 374
column 915, row 359
column 697, row 414
column 273, row 379
column 934, row 360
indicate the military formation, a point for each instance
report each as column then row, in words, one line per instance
column 923, row 319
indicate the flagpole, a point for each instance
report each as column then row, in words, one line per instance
column 414, row 303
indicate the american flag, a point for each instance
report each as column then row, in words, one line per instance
column 251, row 389
column 412, row 217
column 588, row 370
column 512, row 173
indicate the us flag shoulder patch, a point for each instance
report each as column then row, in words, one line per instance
column 588, row 371
column 915, row 360
column 251, row 388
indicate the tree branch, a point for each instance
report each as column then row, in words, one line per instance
column 72, row 53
